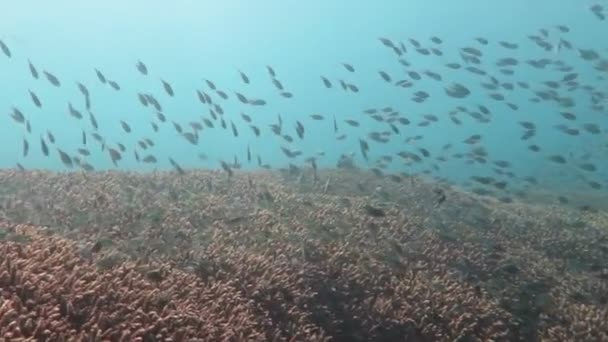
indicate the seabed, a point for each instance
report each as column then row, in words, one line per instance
column 277, row 256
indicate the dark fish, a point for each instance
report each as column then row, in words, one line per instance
column 5, row 49
column 218, row 109
column 50, row 136
column 497, row 96
column 167, row 87
column 385, row 76
column 93, row 120
column 241, row 97
column 527, row 125
column 436, row 40
column 176, row 166
column 588, row 54
column 65, row 158
column 201, row 97
column 210, row 85
column 271, row 71
column 431, row 117
column 74, row 112
column 326, row 82
column 84, row 138
column 300, row 129
column 100, row 76
column 424, row 152
column 141, row 67
column 52, row 78
column 414, row 75
column 255, row 130
column 26, row 147
column 226, row 168
column 191, row 137
column 257, row 102
column 115, row 156
column 43, row 147
column 35, row 99
column 569, row 77
column 245, row 117
column 404, row 121
column 457, row 90
column 568, row 130
column 335, row 125
column 386, row 42
column 588, row 167
column 277, row 84
column 221, row 94
column 472, row 51
column 196, row 126
column 33, row 70
column 414, row 42
column 348, row 67
column 592, row 128
column 83, row 89
column 557, row 159
column 97, row 137
column 475, row 70
column 352, row 122
column 177, row 127
column 208, row 123
column 143, row 99
column 150, row 159
column 85, row 152
column 473, row 139
column 507, row 45
column 234, row 130
column 431, row 74
column 373, row 211
column 483, row 109
column 244, row 77
column 286, row 94
column 502, row 163
column 114, row 85
column 364, row 147
column 289, row 153
column 507, row 61
column 125, row 126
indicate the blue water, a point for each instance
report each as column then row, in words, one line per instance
column 185, row 42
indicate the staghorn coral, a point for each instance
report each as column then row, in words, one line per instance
column 258, row 257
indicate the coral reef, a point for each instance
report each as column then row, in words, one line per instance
column 272, row 257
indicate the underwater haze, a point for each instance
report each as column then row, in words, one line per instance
column 501, row 97
column 277, row 170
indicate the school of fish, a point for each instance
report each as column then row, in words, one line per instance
column 501, row 81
